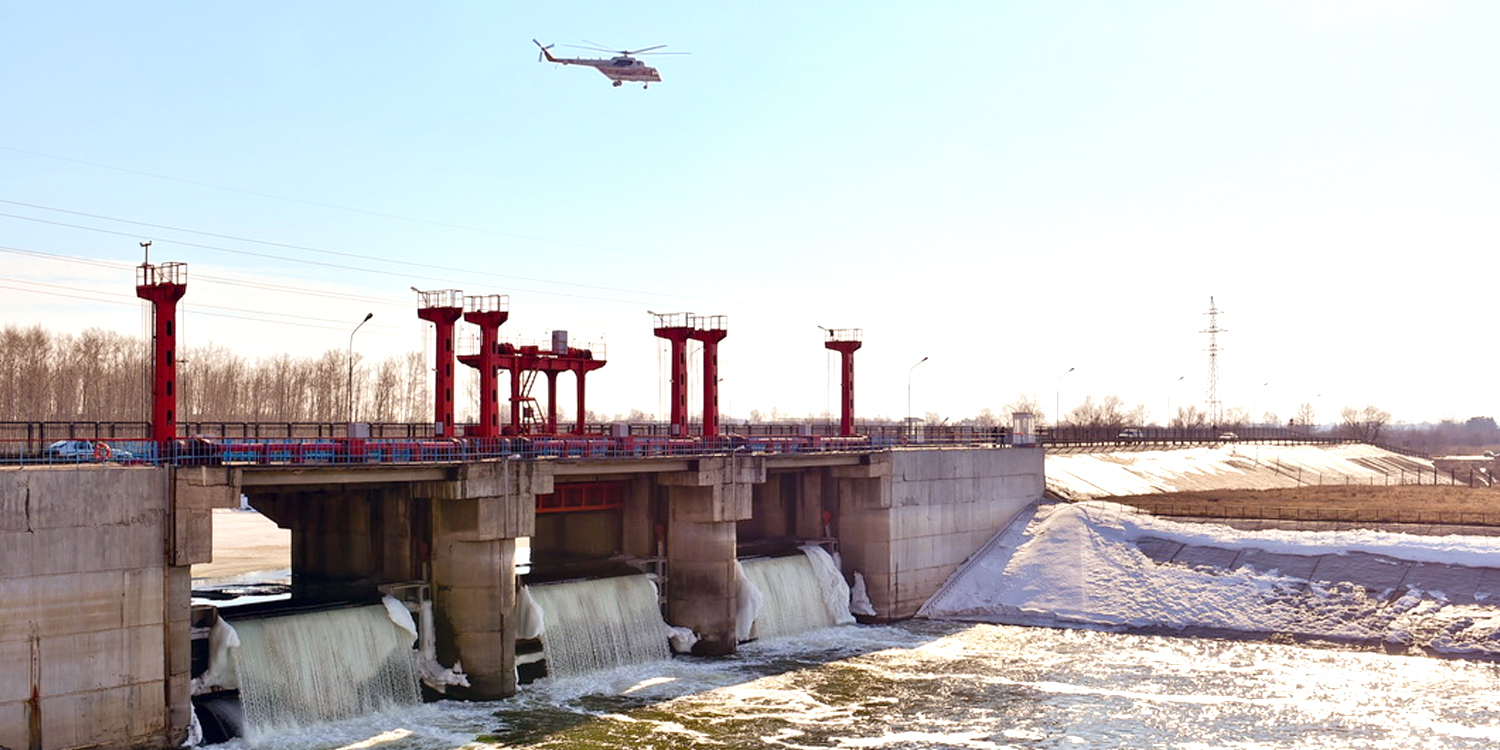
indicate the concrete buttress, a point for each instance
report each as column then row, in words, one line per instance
column 475, row 522
column 704, row 504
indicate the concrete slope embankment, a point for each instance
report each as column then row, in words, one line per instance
column 1230, row 466
column 1102, row 565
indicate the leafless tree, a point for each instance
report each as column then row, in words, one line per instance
column 1106, row 413
column 1364, row 424
column 1027, row 403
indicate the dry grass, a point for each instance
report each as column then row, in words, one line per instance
column 1364, row 504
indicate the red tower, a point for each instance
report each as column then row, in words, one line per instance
column 710, row 329
column 489, row 313
column 162, row 286
column 845, row 341
column 677, row 328
column 442, row 308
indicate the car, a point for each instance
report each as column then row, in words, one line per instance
column 86, row 450
column 1228, row 437
column 1131, row 433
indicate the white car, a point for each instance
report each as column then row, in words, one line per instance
column 86, row 450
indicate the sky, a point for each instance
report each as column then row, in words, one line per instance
column 1039, row 198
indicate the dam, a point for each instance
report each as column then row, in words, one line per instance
column 101, row 646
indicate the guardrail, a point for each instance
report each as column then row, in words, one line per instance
column 329, row 451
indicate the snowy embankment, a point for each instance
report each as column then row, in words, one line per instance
column 1228, row 466
column 1102, row 565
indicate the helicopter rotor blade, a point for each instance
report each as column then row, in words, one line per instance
column 594, row 49
column 643, row 49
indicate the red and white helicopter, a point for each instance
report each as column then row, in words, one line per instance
column 618, row 69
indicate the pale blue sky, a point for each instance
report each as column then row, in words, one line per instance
column 1011, row 189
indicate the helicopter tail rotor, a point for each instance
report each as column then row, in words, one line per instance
column 543, row 54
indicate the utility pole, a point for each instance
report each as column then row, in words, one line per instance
column 1215, row 406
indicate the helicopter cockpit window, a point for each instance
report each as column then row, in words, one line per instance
column 623, row 62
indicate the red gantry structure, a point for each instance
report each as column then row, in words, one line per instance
column 162, row 286
column 845, row 341
column 710, row 329
column 442, row 308
column 530, row 358
column 489, row 312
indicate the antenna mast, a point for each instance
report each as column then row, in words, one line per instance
column 1215, row 406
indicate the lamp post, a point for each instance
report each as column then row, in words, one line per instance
column 908, row 391
column 1169, row 399
column 351, row 364
column 1255, row 418
column 1057, row 401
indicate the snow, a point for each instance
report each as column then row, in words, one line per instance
column 1081, row 565
column 1237, row 465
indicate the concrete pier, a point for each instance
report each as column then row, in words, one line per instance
column 706, row 502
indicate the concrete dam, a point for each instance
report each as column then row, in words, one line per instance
column 101, row 644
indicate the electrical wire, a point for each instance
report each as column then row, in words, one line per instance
column 423, row 266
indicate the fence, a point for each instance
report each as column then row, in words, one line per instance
column 1251, row 511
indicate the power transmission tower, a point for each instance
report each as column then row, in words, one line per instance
column 1215, row 406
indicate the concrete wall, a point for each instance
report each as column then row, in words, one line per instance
column 94, row 633
column 910, row 517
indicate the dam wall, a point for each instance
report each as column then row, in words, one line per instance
column 95, row 582
column 910, row 518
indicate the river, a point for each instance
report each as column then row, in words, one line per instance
column 929, row 684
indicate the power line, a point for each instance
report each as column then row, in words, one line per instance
column 334, row 206
column 404, row 276
column 211, row 279
column 304, row 321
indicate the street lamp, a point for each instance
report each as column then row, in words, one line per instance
column 1057, row 400
column 908, row 391
column 351, row 364
column 1169, row 399
column 1256, row 419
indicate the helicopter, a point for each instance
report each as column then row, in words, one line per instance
column 618, row 69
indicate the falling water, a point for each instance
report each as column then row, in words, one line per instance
column 601, row 623
column 301, row 669
column 796, row 594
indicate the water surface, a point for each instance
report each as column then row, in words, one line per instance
column 928, row 684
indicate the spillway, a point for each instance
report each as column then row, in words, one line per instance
column 795, row 594
column 601, row 623
column 300, row 669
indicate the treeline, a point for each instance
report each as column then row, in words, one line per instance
column 101, row 375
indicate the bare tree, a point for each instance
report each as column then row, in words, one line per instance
column 1364, row 424
column 1106, row 413
column 1306, row 416
column 1190, row 416
column 1027, row 403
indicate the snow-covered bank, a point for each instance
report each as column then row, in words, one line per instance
column 1098, row 564
column 1228, row 466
